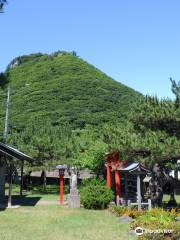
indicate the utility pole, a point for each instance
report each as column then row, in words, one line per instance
column 3, row 167
column 5, row 140
column 7, row 115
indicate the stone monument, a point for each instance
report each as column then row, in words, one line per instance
column 73, row 197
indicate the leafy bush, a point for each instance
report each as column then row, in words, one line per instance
column 158, row 222
column 95, row 194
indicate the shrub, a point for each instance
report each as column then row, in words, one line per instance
column 155, row 223
column 158, row 220
column 95, row 194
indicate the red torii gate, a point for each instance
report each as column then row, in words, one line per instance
column 113, row 163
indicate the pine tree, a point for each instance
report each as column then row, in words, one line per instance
column 2, row 3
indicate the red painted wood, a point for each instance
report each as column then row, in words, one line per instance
column 61, row 187
column 113, row 159
column 108, row 177
column 117, row 179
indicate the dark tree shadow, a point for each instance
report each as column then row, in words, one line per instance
column 21, row 201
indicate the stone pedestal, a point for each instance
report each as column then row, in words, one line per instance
column 74, row 199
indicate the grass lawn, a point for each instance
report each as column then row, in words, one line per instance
column 52, row 192
column 56, row 222
column 53, row 222
column 166, row 198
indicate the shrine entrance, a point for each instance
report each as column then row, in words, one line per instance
column 113, row 176
column 126, row 180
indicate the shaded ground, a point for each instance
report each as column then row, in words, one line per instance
column 24, row 200
column 32, row 200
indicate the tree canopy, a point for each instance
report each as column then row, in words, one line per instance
column 150, row 134
column 63, row 110
column 2, row 3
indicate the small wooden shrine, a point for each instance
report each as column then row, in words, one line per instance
column 126, row 179
column 9, row 152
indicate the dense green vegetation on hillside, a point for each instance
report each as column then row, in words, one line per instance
column 64, row 88
column 63, row 110
column 149, row 135
column 50, row 93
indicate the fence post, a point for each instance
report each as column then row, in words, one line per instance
column 129, row 203
column 149, row 205
column 139, row 192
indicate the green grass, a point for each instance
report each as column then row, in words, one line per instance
column 51, row 193
column 166, row 198
column 55, row 222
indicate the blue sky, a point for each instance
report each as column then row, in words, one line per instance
column 136, row 42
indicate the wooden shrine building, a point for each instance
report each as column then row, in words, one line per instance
column 126, row 179
column 8, row 152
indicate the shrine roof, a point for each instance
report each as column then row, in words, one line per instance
column 134, row 167
column 13, row 152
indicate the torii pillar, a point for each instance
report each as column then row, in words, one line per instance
column 113, row 162
column 108, row 173
column 117, row 179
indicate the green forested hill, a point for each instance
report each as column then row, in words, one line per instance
column 56, row 103
column 63, row 88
